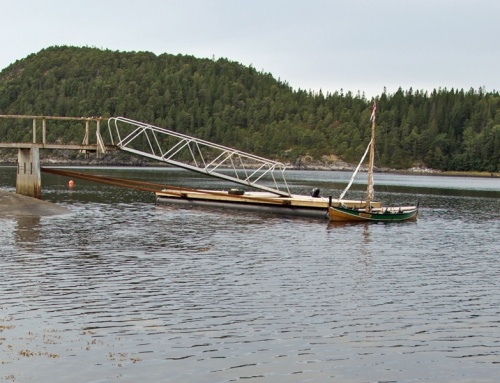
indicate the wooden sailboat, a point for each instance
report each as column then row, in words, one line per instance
column 342, row 213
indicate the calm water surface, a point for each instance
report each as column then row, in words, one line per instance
column 123, row 290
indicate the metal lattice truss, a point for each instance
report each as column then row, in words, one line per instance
column 198, row 155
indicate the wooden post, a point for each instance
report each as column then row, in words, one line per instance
column 369, row 190
column 28, row 181
column 44, row 128
column 34, row 130
column 86, row 140
column 98, row 135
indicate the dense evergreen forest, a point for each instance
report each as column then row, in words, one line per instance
column 234, row 105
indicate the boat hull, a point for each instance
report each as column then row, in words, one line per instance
column 341, row 214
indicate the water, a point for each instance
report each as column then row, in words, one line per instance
column 122, row 290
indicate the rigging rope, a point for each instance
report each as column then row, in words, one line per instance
column 356, row 171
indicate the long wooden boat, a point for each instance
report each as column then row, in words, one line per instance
column 390, row 214
column 370, row 213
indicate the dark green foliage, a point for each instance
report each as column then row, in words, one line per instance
column 237, row 106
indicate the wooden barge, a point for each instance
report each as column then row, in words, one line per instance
column 295, row 205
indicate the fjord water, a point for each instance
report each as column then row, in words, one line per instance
column 124, row 290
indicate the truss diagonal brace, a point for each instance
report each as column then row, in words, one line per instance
column 131, row 143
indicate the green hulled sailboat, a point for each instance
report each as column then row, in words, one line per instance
column 342, row 213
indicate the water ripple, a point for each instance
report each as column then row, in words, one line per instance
column 135, row 292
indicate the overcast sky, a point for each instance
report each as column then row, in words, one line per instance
column 312, row 44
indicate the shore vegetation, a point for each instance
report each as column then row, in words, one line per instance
column 238, row 106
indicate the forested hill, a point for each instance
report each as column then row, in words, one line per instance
column 234, row 105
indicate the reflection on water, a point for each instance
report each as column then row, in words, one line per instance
column 27, row 232
column 122, row 290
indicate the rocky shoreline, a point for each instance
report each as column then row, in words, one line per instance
column 328, row 163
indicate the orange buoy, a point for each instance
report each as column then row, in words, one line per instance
column 71, row 183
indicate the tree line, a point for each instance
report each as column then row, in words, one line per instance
column 235, row 105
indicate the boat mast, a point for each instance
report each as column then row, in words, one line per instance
column 369, row 190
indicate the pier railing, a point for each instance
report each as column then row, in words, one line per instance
column 28, row 180
column 97, row 145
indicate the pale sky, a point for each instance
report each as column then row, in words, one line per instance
column 312, row 44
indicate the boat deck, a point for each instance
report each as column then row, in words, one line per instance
column 296, row 205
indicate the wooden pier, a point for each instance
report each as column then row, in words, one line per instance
column 28, row 181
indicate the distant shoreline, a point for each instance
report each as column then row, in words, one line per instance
column 311, row 166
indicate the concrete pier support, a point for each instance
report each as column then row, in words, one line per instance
column 29, row 181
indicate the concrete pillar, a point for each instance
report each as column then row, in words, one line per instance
column 29, row 181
